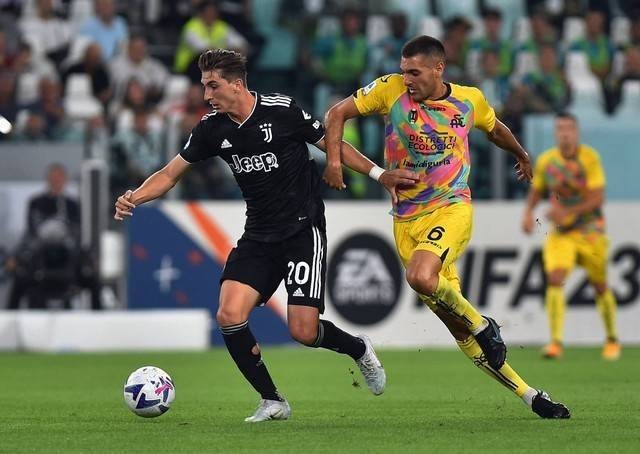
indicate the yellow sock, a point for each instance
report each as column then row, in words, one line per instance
column 451, row 300
column 506, row 376
column 555, row 305
column 606, row 304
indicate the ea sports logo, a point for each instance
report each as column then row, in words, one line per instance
column 364, row 279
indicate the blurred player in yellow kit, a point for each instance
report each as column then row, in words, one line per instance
column 573, row 177
column 427, row 124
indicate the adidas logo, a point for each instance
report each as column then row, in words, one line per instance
column 226, row 144
column 298, row 292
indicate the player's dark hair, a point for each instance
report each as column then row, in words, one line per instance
column 567, row 115
column 425, row 45
column 229, row 64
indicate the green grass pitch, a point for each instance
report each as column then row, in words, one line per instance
column 435, row 401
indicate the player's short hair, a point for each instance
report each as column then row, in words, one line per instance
column 566, row 115
column 425, row 45
column 229, row 64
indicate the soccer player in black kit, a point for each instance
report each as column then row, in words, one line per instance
column 263, row 139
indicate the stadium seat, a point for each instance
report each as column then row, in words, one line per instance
column 27, row 89
column 80, row 10
column 432, row 26
column 280, row 50
column 327, row 26
column 79, row 103
column 415, row 10
column 617, row 65
column 377, row 27
column 447, row 9
column 525, row 62
column 629, row 106
column 620, row 30
column 587, row 99
column 522, row 30
column 512, row 11
column 267, row 15
column 574, row 29
column 577, row 68
column 477, row 28
column 176, row 88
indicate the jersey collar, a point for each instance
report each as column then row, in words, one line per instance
column 255, row 103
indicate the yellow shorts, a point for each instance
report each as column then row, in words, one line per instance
column 589, row 250
column 445, row 232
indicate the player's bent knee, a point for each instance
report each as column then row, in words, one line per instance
column 229, row 316
column 422, row 281
column 557, row 278
column 304, row 333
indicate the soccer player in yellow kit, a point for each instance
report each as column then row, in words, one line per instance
column 427, row 127
column 572, row 175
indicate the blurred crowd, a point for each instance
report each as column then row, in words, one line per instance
column 72, row 68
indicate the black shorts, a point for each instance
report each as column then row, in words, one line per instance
column 300, row 260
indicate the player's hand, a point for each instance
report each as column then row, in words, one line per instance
column 391, row 179
column 124, row 207
column 524, row 172
column 333, row 176
column 558, row 213
column 527, row 223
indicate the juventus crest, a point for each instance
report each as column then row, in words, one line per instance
column 266, row 129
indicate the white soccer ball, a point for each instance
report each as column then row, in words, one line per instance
column 149, row 392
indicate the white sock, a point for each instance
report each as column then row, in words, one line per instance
column 528, row 396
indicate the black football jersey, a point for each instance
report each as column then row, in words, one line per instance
column 269, row 158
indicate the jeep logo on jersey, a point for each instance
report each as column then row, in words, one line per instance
column 266, row 129
column 364, row 279
column 266, row 162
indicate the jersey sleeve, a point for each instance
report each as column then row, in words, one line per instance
column 485, row 116
column 595, row 172
column 303, row 125
column 379, row 95
column 197, row 147
column 538, row 181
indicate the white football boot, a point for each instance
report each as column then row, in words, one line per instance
column 270, row 409
column 371, row 368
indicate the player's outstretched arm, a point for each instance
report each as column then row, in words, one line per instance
column 390, row 179
column 153, row 187
column 502, row 136
column 334, row 129
column 528, row 222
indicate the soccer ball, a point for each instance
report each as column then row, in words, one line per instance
column 149, row 392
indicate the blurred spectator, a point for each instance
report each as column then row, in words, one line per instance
column 631, row 72
column 596, row 44
column 93, row 66
column 8, row 105
column 192, row 111
column 106, row 29
column 28, row 64
column 205, row 31
column 542, row 33
column 49, row 261
column 547, row 89
column 239, row 14
column 136, row 152
column 137, row 64
column 492, row 82
column 385, row 55
column 46, row 119
column 340, row 59
column 492, row 41
column 47, row 33
column 6, row 56
column 634, row 32
column 456, row 46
